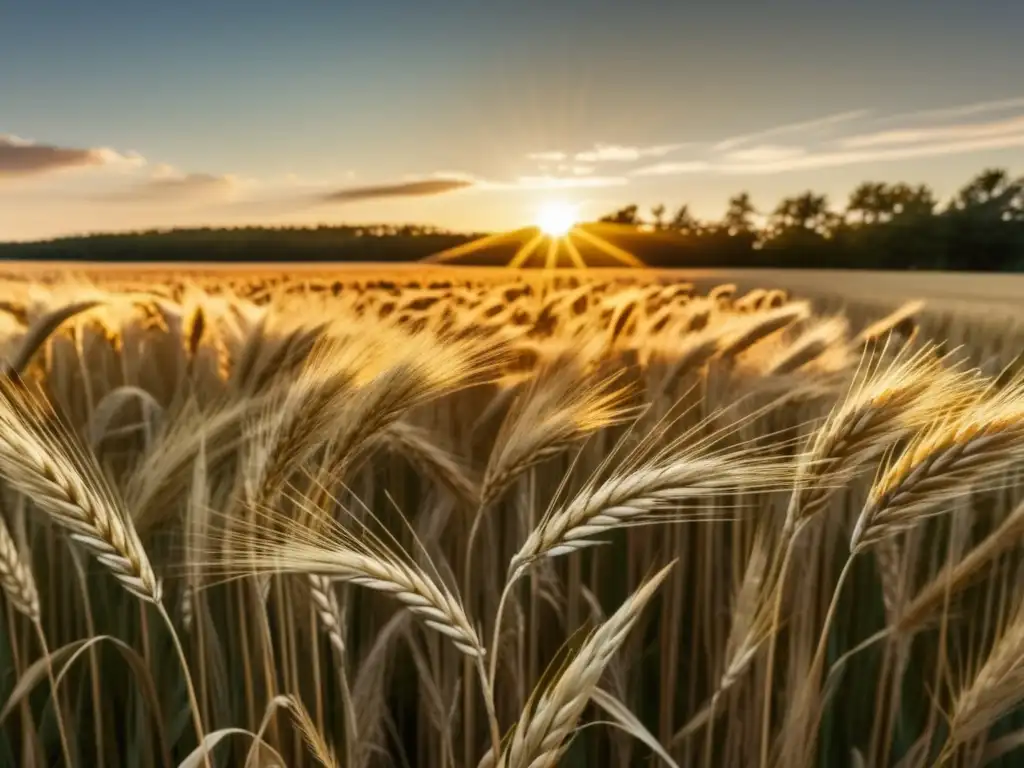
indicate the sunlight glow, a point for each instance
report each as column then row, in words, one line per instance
column 558, row 225
column 556, row 218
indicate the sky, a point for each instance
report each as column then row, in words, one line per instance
column 118, row 115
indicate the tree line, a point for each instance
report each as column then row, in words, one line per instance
column 371, row 242
column 883, row 226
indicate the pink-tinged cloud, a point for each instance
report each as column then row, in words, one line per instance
column 23, row 158
column 421, row 188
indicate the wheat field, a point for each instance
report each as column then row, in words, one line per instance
column 575, row 520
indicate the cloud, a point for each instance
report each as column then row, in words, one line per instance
column 617, row 153
column 21, row 157
column 174, row 187
column 565, row 182
column 857, row 157
column 912, row 137
column 548, row 157
column 765, row 153
column 418, row 188
column 963, row 132
column 952, row 113
column 805, row 126
column 834, row 159
column 673, row 169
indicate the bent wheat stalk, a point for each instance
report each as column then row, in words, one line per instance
column 539, row 737
column 44, row 459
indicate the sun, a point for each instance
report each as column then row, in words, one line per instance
column 556, row 218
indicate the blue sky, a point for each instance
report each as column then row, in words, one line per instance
column 119, row 115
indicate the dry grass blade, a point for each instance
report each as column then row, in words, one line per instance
column 44, row 460
column 539, row 737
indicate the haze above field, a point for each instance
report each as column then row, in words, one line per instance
column 122, row 115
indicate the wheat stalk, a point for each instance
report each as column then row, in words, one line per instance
column 539, row 736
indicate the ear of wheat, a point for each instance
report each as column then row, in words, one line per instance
column 560, row 407
column 310, row 543
column 884, row 403
column 44, row 460
column 420, row 371
column 539, row 736
column 15, row 577
column 997, row 687
column 975, row 438
column 641, row 492
column 750, row 330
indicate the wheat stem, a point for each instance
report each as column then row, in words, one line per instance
column 57, row 708
column 197, row 718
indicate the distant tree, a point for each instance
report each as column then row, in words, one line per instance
column 627, row 215
column 906, row 200
column 658, row 213
column 739, row 215
column 684, row 222
column 808, row 212
column 983, row 189
column 868, row 202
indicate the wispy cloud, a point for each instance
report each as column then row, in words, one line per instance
column 167, row 186
column 563, row 182
column 930, row 133
column 548, row 157
column 673, row 169
column 806, row 126
column 418, row 188
column 943, row 133
column 618, row 153
column 22, row 157
column 953, row 113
